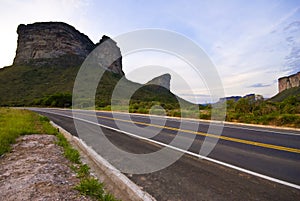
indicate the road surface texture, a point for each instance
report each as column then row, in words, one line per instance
column 273, row 153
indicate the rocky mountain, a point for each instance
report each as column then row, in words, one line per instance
column 109, row 49
column 48, row 57
column 288, row 82
column 163, row 81
column 57, row 43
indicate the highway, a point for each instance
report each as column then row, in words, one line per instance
column 247, row 163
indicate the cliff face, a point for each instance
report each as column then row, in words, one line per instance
column 289, row 82
column 109, row 50
column 163, row 80
column 51, row 40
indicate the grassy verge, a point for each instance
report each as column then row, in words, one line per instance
column 14, row 123
column 17, row 122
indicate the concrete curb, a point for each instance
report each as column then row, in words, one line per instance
column 117, row 182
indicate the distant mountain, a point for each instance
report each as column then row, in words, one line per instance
column 163, row 80
column 48, row 57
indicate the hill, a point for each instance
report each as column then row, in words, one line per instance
column 23, row 85
column 48, row 58
column 281, row 96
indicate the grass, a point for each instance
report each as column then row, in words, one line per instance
column 69, row 152
column 91, row 187
column 17, row 122
column 14, row 123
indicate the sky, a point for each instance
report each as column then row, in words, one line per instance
column 251, row 44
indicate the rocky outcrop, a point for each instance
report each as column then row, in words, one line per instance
column 44, row 42
column 50, row 40
column 163, row 80
column 289, row 82
column 107, row 53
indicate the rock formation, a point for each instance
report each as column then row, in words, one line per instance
column 44, row 42
column 50, row 40
column 163, row 80
column 109, row 55
column 289, row 82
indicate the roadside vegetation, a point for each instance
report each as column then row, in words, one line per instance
column 55, row 100
column 266, row 112
column 17, row 122
column 14, row 123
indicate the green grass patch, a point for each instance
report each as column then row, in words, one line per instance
column 17, row 122
column 91, row 187
column 69, row 152
column 83, row 171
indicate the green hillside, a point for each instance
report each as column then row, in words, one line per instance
column 295, row 91
column 52, row 85
column 21, row 85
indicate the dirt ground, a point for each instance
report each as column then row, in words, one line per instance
column 36, row 169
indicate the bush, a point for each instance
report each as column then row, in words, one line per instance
column 204, row 116
column 289, row 119
column 55, row 100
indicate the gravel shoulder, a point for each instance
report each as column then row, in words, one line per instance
column 36, row 169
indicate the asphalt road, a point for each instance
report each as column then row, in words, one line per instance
column 274, row 153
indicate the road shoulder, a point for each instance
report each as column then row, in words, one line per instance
column 36, row 169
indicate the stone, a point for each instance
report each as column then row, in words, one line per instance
column 109, row 55
column 46, row 43
column 288, row 82
column 44, row 40
column 163, row 80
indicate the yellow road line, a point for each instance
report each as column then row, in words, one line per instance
column 259, row 144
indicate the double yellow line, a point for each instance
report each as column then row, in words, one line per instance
column 258, row 144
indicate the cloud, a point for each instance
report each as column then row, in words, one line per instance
column 259, row 85
column 292, row 30
column 197, row 98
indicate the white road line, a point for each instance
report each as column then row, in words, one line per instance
column 187, row 152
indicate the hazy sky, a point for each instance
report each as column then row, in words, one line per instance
column 251, row 43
